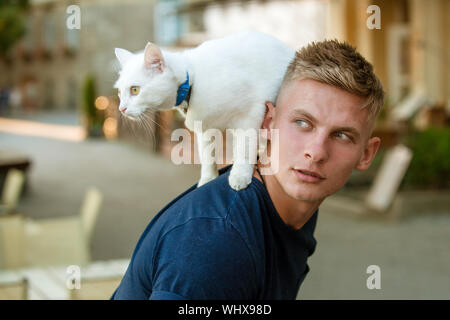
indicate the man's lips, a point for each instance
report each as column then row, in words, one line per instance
column 309, row 176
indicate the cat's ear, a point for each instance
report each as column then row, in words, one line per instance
column 123, row 55
column 153, row 57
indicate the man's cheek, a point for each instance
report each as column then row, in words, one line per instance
column 340, row 176
column 293, row 150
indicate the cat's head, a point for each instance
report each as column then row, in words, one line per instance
column 145, row 81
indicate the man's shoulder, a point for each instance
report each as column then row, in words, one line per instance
column 209, row 234
column 212, row 200
column 218, row 211
column 214, row 209
column 215, row 200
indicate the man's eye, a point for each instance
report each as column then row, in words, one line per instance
column 134, row 90
column 343, row 136
column 302, row 123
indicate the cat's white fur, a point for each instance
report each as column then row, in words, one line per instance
column 231, row 80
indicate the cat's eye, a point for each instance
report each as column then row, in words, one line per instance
column 134, row 90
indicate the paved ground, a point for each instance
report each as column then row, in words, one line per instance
column 413, row 254
column 135, row 182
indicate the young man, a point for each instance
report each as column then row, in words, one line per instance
column 216, row 243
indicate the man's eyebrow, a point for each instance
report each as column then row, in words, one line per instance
column 301, row 112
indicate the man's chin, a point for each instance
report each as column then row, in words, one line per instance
column 304, row 194
column 307, row 198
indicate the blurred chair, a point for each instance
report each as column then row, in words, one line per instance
column 13, row 287
column 63, row 240
column 100, row 279
column 96, row 289
column 388, row 178
column 11, row 191
column 12, row 241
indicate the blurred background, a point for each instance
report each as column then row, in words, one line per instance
column 79, row 184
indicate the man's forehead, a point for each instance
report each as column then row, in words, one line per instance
column 313, row 93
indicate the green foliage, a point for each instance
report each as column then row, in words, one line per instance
column 384, row 112
column 89, row 96
column 93, row 117
column 12, row 23
column 430, row 165
column 18, row 3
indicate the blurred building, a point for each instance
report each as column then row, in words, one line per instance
column 48, row 66
column 410, row 51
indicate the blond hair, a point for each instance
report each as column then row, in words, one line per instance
column 340, row 65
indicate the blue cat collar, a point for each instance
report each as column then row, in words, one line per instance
column 183, row 91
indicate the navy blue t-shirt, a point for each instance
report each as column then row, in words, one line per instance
column 216, row 243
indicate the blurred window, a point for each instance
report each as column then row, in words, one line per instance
column 167, row 22
column 398, row 61
column 71, row 94
column 71, row 36
column 49, row 31
column 29, row 40
column 49, row 102
column 196, row 21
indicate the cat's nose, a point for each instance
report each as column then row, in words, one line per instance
column 123, row 109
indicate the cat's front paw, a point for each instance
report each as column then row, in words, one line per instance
column 239, row 181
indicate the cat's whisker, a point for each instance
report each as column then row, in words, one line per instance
column 150, row 130
column 142, row 126
column 129, row 125
column 149, row 117
column 141, row 123
column 149, row 114
column 123, row 123
column 147, row 123
column 144, row 119
column 132, row 125
column 149, row 126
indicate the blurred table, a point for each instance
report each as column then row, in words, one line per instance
column 12, row 286
column 98, row 280
column 12, row 241
column 13, row 160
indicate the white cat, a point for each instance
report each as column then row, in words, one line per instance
column 225, row 81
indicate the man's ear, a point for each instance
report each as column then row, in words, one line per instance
column 369, row 154
column 268, row 119
column 153, row 57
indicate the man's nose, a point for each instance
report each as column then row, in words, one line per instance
column 316, row 150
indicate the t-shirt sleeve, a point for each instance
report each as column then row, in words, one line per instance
column 205, row 258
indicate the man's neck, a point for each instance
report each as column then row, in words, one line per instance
column 295, row 213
